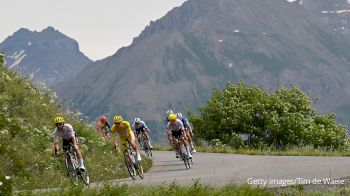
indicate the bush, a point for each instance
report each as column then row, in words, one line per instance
column 240, row 115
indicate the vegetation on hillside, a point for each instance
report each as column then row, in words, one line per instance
column 26, row 135
column 241, row 116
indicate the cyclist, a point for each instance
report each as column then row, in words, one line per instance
column 176, row 129
column 66, row 132
column 125, row 133
column 141, row 127
column 188, row 130
column 102, row 125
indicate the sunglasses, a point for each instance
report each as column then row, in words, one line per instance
column 58, row 124
column 117, row 123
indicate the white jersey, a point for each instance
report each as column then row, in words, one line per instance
column 65, row 134
column 176, row 126
column 141, row 125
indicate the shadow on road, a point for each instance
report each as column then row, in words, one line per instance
column 168, row 161
column 159, row 171
column 172, row 164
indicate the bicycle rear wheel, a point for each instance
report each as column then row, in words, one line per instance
column 71, row 167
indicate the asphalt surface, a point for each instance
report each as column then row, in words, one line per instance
column 270, row 171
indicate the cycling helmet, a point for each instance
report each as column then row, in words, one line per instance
column 59, row 120
column 103, row 118
column 169, row 112
column 172, row 117
column 137, row 120
column 179, row 115
column 118, row 119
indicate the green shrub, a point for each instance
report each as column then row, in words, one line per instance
column 240, row 114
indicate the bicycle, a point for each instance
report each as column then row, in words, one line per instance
column 145, row 145
column 181, row 149
column 73, row 169
column 131, row 162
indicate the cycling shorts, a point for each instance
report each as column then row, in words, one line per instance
column 176, row 134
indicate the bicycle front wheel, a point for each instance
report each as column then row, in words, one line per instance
column 139, row 170
column 84, row 177
column 71, row 170
column 184, row 155
column 130, row 166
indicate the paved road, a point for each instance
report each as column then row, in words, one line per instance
column 220, row 169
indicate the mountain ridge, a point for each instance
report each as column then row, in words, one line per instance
column 47, row 56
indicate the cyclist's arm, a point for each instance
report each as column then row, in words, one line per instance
column 147, row 130
column 109, row 126
column 115, row 139
column 182, row 128
column 56, row 143
column 56, row 147
column 113, row 133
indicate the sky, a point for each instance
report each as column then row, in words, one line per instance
column 100, row 27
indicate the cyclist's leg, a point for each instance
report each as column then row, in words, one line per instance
column 148, row 137
column 176, row 135
column 77, row 151
column 188, row 132
column 105, row 134
column 186, row 143
column 133, row 145
column 137, row 134
column 123, row 142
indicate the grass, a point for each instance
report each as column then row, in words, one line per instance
column 27, row 160
column 194, row 189
column 172, row 189
column 291, row 151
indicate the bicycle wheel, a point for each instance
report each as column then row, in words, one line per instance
column 84, row 177
column 185, row 156
column 71, row 167
column 182, row 153
column 129, row 165
column 147, row 149
column 139, row 169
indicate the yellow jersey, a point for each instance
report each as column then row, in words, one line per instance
column 124, row 131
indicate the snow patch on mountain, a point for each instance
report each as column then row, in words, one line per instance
column 17, row 58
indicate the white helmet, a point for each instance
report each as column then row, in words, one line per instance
column 169, row 112
column 179, row 115
column 137, row 120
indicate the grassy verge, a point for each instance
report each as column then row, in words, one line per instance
column 172, row 189
column 291, row 151
column 194, row 189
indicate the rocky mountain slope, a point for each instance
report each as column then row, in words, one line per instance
column 47, row 56
column 179, row 59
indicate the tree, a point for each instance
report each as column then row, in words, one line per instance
column 280, row 119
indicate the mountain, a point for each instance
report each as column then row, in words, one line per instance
column 335, row 13
column 47, row 56
column 179, row 59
